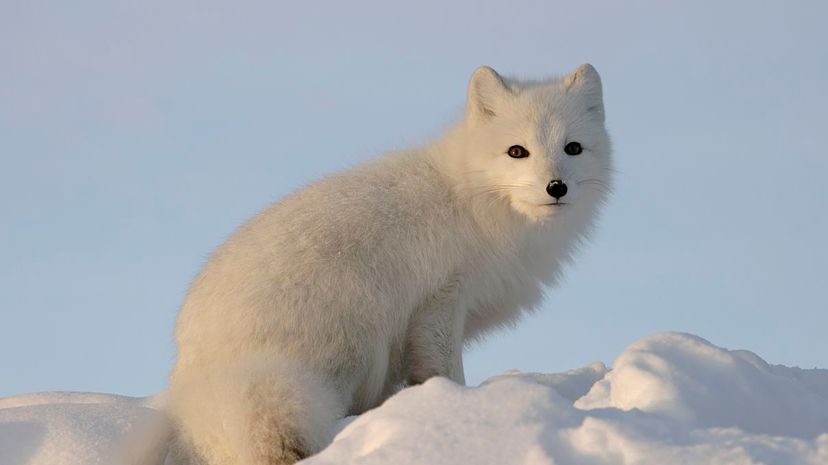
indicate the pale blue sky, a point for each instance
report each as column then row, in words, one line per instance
column 135, row 136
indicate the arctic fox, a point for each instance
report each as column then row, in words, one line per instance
column 338, row 295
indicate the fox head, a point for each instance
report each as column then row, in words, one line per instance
column 538, row 146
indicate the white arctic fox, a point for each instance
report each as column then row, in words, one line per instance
column 338, row 295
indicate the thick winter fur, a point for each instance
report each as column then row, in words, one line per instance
column 336, row 296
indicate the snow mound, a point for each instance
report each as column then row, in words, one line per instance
column 684, row 379
column 72, row 428
column 670, row 398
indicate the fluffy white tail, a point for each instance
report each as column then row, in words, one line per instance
column 259, row 410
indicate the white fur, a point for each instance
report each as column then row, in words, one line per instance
column 341, row 293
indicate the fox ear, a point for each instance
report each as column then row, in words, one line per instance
column 486, row 91
column 586, row 81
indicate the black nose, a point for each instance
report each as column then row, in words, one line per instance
column 556, row 188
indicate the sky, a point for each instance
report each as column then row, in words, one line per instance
column 135, row 136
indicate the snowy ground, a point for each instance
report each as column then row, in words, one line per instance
column 670, row 398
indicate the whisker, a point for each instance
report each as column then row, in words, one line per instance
column 494, row 188
column 597, row 184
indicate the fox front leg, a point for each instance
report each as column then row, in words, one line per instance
column 434, row 340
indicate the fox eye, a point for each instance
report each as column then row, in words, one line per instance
column 573, row 148
column 517, row 151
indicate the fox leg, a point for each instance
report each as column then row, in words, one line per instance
column 434, row 340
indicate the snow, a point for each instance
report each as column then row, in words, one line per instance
column 670, row 398
column 73, row 428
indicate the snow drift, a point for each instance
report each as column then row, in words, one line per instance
column 670, row 398
column 59, row 428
